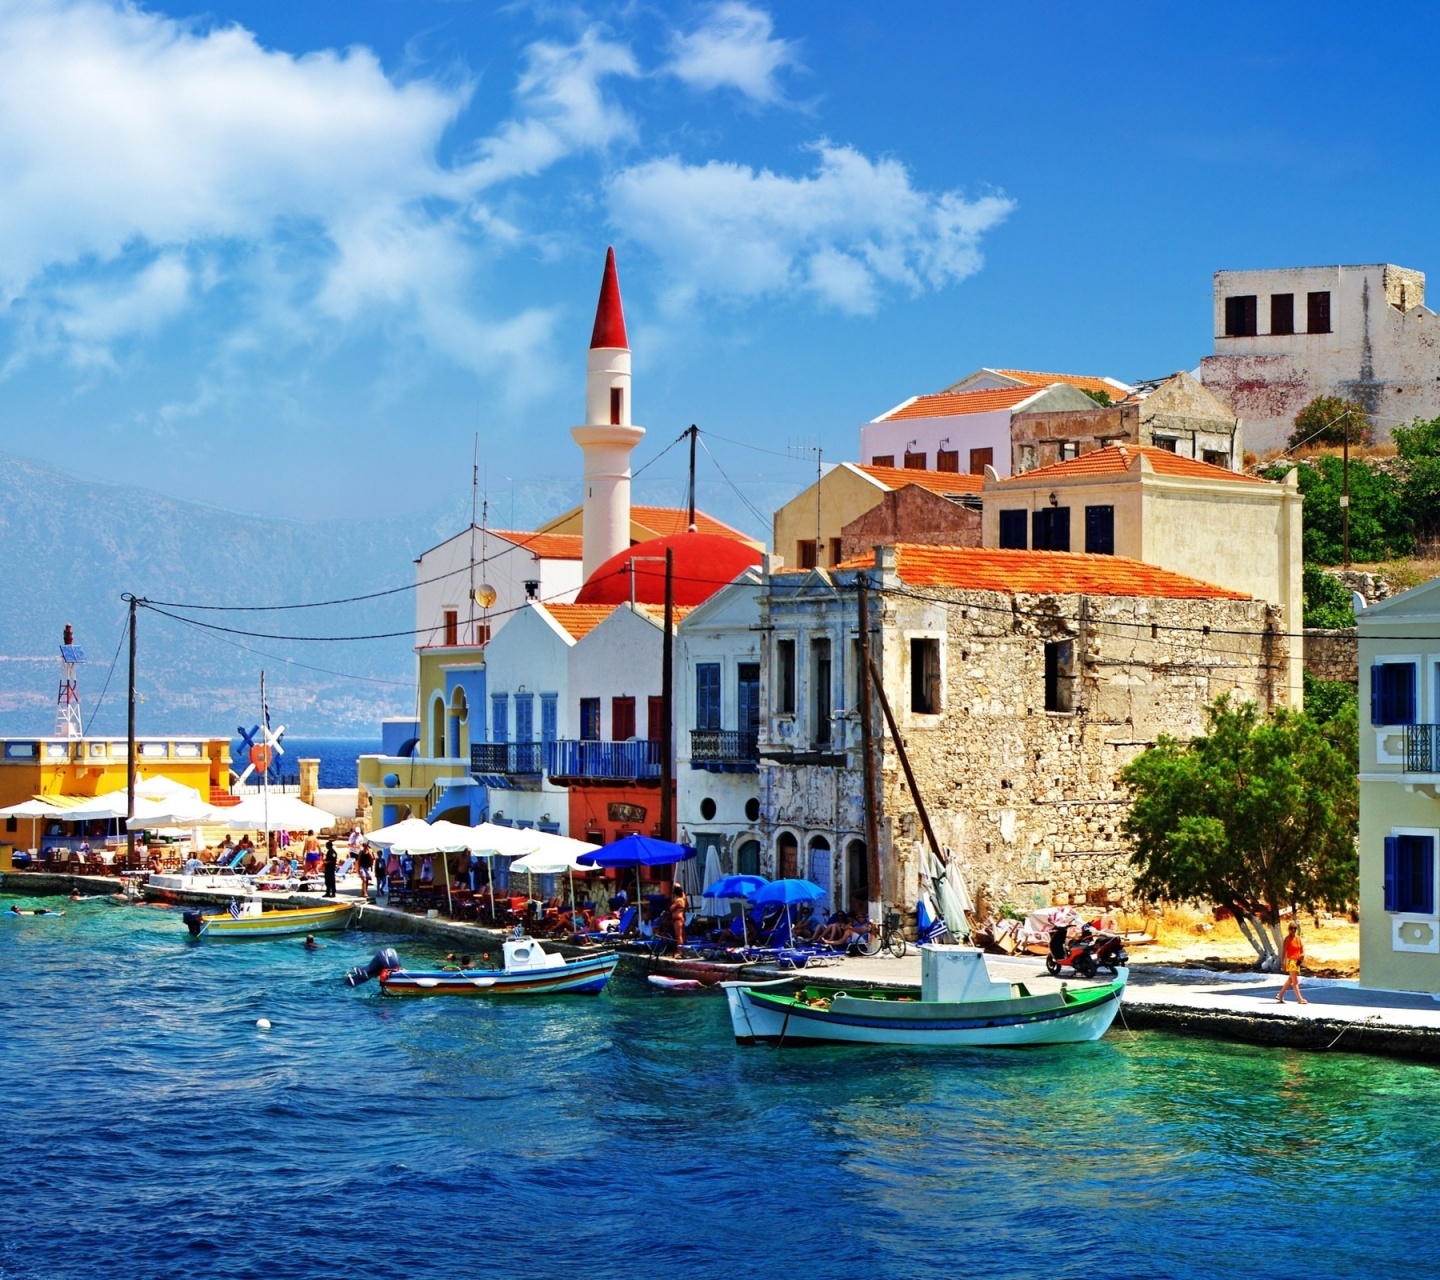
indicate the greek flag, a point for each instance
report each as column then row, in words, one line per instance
column 234, row 909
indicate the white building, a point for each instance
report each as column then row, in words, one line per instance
column 1283, row 337
column 717, row 726
column 966, row 427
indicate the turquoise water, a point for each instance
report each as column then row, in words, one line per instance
column 151, row 1130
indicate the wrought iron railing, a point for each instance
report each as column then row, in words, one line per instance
column 507, row 757
column 1422, row 748
column 618, row 761
column 723, row 746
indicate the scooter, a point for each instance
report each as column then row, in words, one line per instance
column 1087, row 954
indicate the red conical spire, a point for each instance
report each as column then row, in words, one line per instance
column 609, row 315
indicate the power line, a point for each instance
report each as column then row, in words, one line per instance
column 100, row 701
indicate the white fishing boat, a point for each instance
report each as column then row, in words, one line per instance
column 958, row 1003
column 249, row 919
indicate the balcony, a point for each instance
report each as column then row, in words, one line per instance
column 724, row 750
column 1422, row 748
column 570, row 760
column 508, row 759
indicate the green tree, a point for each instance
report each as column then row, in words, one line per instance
column 1381, row 520
column 1419, row 448
column 1101, row 398
column 1327, row 700
column 1258, row 815
column 1325, row 420
column 1327, row 600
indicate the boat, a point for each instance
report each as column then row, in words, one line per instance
column 171, row 887
column 249, row 919
column 674, row 984
column 529, row 970
column 958, row 1002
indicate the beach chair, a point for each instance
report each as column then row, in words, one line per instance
column 623, row 926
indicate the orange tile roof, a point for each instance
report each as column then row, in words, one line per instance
column 947, row 404
column 1083, row 381
column 668, row 521
column 1041, row 573
column 935, row 481
column 657, row 611
column 579, row 619
column 1115, row 459
column 548, row 546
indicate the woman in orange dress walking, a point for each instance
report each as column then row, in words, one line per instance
column 1293, row 955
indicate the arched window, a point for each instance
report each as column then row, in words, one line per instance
column 857, row 874
column 820, row 860
column 787, row 850
column 437, row 726
column 459, row 713
column 747, row 858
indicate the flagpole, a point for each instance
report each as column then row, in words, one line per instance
column 265, row 771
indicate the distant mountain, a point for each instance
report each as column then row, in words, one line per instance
column 69, row 548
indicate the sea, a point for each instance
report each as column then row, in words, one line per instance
column 152, row 1127
column 336, row 755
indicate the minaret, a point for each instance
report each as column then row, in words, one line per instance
column 607, row 436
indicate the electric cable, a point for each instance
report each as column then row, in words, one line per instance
column 100, row 701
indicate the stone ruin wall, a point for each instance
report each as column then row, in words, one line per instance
column 1031, row 800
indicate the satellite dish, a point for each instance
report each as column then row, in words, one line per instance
column 485, row 595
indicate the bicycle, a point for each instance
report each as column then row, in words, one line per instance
column 891, row 937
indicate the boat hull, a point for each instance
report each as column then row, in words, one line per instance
column 276, row 924
column 577, row 977
column 758, row 1016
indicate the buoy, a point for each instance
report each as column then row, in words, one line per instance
column 263, row 1023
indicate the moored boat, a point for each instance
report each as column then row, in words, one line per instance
column 958, row 1003
column 529, row 970
column 249, row 919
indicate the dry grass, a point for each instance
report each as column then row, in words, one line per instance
column 1409, row 572
column 1188, row 934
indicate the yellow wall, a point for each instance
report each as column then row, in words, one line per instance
column 94, row 766
column 845, row 495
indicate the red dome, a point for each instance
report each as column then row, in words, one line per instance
column 704, row 562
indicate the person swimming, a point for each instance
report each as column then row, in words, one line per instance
column 310, row 943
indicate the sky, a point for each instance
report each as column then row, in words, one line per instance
column 291, row 258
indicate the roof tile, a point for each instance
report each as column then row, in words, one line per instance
column 935, row 481
column 1084, row 381
column 579, row 619
column 548, row 546
column 947, row 404
column 1115, row 459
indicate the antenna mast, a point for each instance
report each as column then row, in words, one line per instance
column 67, row 701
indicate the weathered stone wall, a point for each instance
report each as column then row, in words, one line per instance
column 913, row 514
column 1031, row 799
column 1331, row 654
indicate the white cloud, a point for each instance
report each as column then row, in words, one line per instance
column 735, row 47
column 841, row 233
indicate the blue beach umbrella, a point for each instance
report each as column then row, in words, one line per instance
column 637, row 851
column 790, row 892
column 735, row 887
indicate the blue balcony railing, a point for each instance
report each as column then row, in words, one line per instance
column 603, row 761
column 508, row 758
column 723, row 747
column 1422, row 748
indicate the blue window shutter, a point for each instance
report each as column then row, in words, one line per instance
column 1392, row 858
column 1423, row 857
column 1060, row 529
column 707, row 695
column 1377, row 700
column 1403, row 690
column 1012, row 530
column 500, row 717
column 549, row 717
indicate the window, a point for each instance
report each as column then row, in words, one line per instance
column 1410, row 874
column 979, row 460
column 622, row 719
column 1282, row 313
column 617, row 405
column 805, row 553
column 747, row 676
column 1059, row 675
column 1100, row 531
column 1051, row 529
column 524, row 717
column 785, row 677
column 1027, row 457
column 655, row 718
column 1167, row 443
column 883, row 460
column 1317, row 312
column 499, row 717
column 707, row 695
column 1013, row 526
column 914, row 461
column 837, row 550
column 549, row 717
column 590, row 719
column 747, row 857
column 452, row 627
column 1069, row 449
column 787, row 860
column 1216, row 458
column 948, row 459
column 820, row 685
column 1392, row 693
column 1240, row 316
column 925, row 677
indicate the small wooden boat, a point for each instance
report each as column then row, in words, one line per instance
column 249, row 919
column 529, row 970
column 957, row 1003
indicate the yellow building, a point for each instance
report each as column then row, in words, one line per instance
column 1400, row 791
column 94, row 766
column 1149, row 504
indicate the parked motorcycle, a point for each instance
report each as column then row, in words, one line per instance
column 1085, row 955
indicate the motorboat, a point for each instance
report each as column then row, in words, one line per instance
column 172, row 886
column 249, row 919
column 528, row 970
column 958, row 1003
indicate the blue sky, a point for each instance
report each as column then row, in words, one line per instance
column 291, row 257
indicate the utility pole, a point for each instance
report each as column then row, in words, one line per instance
column 867, row 748
column 1345, row 492
column 667, row 703
column 130, row 743
column 692, row 433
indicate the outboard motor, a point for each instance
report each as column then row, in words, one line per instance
column 194, row 921
column 382, row 960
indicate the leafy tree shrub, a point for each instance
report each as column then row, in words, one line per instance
column 1329, row 700
column 1381, row 519
column 1101, row 398
column 1259, row 814
column 1327, row 600
column 1324, row 421
column 1419, row 448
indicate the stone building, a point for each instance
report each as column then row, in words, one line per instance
column 1022, row 682
column 915, row 514
column 1174, row 413
column 1283, row 337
